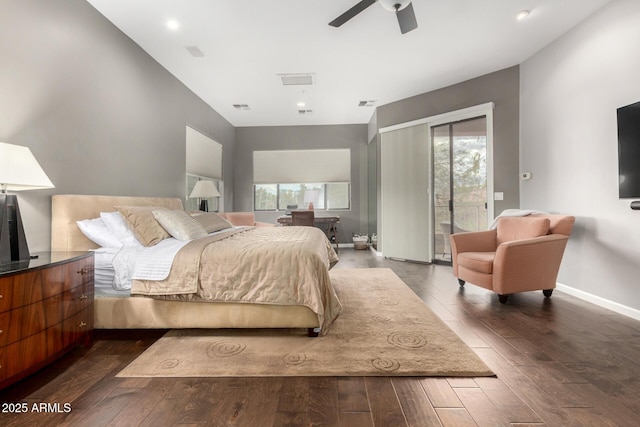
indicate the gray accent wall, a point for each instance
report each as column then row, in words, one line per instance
column 569, row 95
column 99, row 114
column 501, row 88
column 353, row 137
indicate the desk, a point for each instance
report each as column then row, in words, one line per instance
column 322, row 221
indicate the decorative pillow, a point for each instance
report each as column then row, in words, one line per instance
column 518, row 228
column 180, row 225
column 143, row 224
column 211, row 221
column 117, row 225
column 96, row 231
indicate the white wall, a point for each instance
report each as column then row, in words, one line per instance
column 568, row 140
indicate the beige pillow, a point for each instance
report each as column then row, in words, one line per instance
column 180, row 225
column 211, row 221
column 518, row 228
column 143, row 224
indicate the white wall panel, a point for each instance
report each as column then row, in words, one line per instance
column 406, row 206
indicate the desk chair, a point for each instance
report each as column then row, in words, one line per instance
column 303, row 218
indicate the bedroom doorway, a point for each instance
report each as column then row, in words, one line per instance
column 459, row 181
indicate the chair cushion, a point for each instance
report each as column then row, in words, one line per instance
column 482, row 262
column 518, row 228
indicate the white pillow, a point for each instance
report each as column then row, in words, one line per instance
column 180, row 225
column 118, row 226
column 96, row 231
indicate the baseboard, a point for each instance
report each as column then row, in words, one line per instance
column 602, row 302
column 375, row 252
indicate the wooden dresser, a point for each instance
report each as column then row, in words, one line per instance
column 46, row 309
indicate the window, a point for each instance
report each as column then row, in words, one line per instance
column 272, row 197
column 284, row 177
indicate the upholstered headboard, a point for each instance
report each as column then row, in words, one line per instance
column 66, row 209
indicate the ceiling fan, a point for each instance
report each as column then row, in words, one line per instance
column 402, row 8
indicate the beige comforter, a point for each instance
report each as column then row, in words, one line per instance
column 263, row 265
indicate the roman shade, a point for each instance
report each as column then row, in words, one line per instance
column 301, row 166
column 204, row 155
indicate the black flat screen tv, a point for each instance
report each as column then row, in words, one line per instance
column 629, row 151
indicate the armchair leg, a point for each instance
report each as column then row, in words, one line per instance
column 461, row 282
column 547, row 292
column 503, row 298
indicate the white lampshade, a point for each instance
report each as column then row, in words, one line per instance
column 204, row 190
column 19, row 169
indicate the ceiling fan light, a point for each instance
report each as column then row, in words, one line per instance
column 390, row 5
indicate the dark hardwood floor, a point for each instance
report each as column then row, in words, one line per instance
column 559, row 361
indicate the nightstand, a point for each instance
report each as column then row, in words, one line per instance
column 46, row 309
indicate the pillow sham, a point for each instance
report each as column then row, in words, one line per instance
column 143, row 224
column 179, row 224
column 211, row 221
column 117, row 225
column 96, row 231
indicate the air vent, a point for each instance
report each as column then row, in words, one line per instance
column 296, row 79
column 241, row 106
column 369, row 103
column 195, row 51
column 305, row 111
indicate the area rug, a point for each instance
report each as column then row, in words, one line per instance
column 383, row 330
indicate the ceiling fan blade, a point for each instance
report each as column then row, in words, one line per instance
column 351, row 13
column 407, row 19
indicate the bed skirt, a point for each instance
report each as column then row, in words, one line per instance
column 149, row 313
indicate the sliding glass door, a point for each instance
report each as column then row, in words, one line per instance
column 459, row 180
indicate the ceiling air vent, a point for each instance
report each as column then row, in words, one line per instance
column 241, row 106
column 296, row 79
column 195, row 51
column 369, row 103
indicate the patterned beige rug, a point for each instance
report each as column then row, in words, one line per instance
column 384, row 330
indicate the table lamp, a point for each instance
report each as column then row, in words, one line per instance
column 19, row 171
column 204, row 190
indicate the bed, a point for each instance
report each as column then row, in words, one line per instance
column 122, row 310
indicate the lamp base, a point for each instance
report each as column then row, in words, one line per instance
column 204, row 205
column 13, row 242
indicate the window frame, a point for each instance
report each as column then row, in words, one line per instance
column 325, row 193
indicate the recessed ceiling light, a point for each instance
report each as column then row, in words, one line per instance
column 172, row 24
column 522, row 14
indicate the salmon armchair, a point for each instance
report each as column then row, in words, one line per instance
column 521, row 254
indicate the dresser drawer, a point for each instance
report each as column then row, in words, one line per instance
column 78, row 273
column 3, row 363
column 23, row 289
column 25, row 353
column 77, row 327
column 23, row 322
